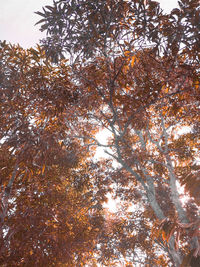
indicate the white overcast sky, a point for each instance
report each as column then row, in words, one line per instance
column 17, row 20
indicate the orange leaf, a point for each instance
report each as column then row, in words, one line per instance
column 132, row 61
column 43, row 169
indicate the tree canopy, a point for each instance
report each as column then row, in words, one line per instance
column 121, row 66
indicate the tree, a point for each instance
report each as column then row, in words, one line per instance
column 51, row 192
column 124, row 66
column 138, row 68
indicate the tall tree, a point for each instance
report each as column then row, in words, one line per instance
column 137, row 70
column 130, row 69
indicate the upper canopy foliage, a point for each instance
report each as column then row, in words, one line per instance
column 95, row 27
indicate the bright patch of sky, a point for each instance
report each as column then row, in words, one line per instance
column 102, row 138
column 111, row 204
column 168, row 5
column 17, row 20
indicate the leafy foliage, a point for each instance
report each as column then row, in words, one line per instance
column 126, row 67
column 50, row 201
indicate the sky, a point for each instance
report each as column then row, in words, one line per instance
column 17, row 20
